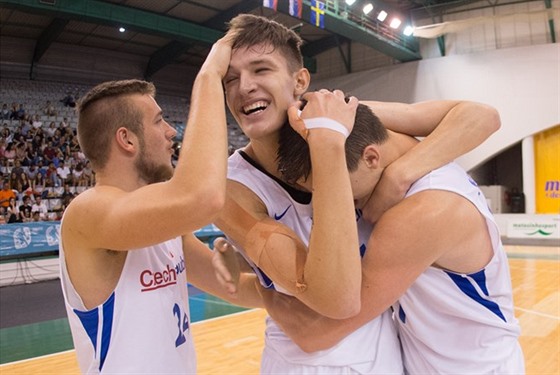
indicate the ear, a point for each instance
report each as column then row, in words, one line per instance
column 303, row 78
column 372, row 157
column 126, row 139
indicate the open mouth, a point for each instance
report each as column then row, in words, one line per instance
column 256, row 107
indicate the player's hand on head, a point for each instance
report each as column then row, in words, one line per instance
column 226, row 265
column 320, row 105
column 220, row 54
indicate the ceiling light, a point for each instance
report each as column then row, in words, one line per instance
column 395, row 23
column 122, row 29
column 350, row 2
column 368, row 8
column 382, row 15
column 408, row 30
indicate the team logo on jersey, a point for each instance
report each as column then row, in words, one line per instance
column 278, row 217
column 156, row 279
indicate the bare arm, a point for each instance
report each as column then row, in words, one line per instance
column 201, row 274
column 324, row 278
column 110, row 218
column 452, row 128
column 400, row 249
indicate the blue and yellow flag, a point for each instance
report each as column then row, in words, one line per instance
column 317, row 13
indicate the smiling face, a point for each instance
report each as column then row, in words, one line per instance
column 260, row 87
column 155, row 142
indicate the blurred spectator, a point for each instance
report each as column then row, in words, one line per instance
column 88, row 175
column 68, row 101
column 77, row 175
column 19, row 113
column 10, row 154
column 64, row 172
column 49, row 132
column 37, row 123
column 49, row 109
column 49, row 152
column 38, row 185
column 21, row 152
column 7, row 134
column 40, row 207
column 36, row 216
column 17, row 169
column 52, row 177
column 32, row 171
column 14, row 111
column 25, row 209
column 5, row 194
column 2, row 215
column 12, row 212
column 5, row 112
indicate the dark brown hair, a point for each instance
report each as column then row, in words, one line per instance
column 294, row 161
column 103, row 110
column 255, row 30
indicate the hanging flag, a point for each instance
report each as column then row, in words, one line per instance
column 318, row 13
column 295, row 8
column 272, row 4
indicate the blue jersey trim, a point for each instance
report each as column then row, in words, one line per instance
column 108, row 315
column 466, row 287
column 90, row 322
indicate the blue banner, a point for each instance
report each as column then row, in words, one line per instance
column 25, row 239
column 30, row 239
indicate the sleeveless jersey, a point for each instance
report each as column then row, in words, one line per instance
column 143, row 327
column 453, row 323
column 374, row 347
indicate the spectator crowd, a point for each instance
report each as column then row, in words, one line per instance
column 41, row 165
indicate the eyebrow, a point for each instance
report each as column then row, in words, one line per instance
column 160, row 113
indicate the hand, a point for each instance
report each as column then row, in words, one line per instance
column 220, row 54
column 323, row 103
column 226, row 265
column 389, row 191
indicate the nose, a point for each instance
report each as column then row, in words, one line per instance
column 246, row 83
column 171, row 131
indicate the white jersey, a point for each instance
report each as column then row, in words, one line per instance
column 143, row 327
column 373, row 348
column 452, row 323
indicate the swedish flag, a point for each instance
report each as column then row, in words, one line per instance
column 317, row 13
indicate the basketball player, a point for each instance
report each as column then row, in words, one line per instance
column 436, row 257
column 123, row 263
column 266, row 218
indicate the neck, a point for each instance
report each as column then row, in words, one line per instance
column 397, row 145
column 264, row 152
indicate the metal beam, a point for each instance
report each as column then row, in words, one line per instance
column 171, row 51
column 47, row 37
column 112, row 14
column 164, row 56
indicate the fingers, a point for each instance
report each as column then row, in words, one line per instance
column 296, row 122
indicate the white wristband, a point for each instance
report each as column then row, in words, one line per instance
column 326, row 123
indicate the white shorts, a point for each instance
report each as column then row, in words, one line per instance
column 273, row 363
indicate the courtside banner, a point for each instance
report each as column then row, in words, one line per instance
column 531, row 228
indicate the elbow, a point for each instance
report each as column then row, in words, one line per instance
column 494, row 122
column 208, row 205
column 345, row 308
column 312, row 343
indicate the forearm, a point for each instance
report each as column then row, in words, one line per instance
column 333, row 258
column 465, row 126
column 202, row 163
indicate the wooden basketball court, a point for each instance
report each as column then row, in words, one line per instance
column 232, row 344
